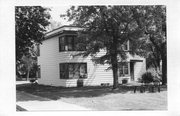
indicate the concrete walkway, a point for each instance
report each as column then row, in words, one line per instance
column 22, row 82
column 46, row 104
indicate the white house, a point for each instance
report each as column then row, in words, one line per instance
column 58, row 67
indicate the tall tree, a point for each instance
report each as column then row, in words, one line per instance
column 107, row 28
column 30, row 23
column 53, row 25
column 154, row 42
column 29, row 62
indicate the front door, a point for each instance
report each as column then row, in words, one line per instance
column 132, row 70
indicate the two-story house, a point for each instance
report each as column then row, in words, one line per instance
column 58, row 67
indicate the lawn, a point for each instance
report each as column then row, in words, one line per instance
column 101, row 98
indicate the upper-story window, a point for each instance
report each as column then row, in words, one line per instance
column 61, row 44
column 70, row 43
column 125, row 46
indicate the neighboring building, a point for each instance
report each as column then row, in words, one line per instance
column 58, row 67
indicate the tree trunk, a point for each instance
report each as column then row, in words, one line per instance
column 164, row 71
column 114, row 63
column 115, row 75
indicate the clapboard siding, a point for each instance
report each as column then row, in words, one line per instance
column 50, row 58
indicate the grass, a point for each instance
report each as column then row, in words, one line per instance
column 101, row 98
column 129, row 101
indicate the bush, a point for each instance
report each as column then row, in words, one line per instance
column 124, row 81
column 147, row 77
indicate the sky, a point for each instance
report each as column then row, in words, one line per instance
column 56, row 11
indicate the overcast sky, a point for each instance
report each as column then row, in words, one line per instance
column 56, row 11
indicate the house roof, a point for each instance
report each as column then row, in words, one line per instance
column 60, row 30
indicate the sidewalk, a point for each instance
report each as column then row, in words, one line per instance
column 22, row 82
column 43, row 104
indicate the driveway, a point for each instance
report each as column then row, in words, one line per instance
column 35, row 103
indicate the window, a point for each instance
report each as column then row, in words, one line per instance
column 73, row 70
column 70, row 43
column 123, row 69
column 61, row 44
column 124, row 46
column 63, row 71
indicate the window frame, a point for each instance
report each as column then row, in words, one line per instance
column 122, row 67
column 62, row 44
column 67, row 43
column 67, row 70
column 126, row 45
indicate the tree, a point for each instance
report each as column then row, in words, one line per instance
column 29, row 62
column 53, row 25
column 154, row 42
column 30, row 23
column 107, row 28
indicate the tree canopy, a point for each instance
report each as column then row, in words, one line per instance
column 155, row 42
column 109, row 27
column 30, row 23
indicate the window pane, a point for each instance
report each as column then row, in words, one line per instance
column 76, row 70
column 125, row 46
column 71, row 71
column 83, row 71
column 62, row 43
column 126, row 68
column 70, row 42
column 120, row 70
column 63, row 71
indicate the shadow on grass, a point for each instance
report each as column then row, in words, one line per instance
column 55, row 93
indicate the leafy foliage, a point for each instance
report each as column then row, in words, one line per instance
column 147, row 77
column 154, row 44
column 150, row 76
column 107, row 28
column 30, row 23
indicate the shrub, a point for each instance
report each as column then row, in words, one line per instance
column 147, row 77
column 124, row 81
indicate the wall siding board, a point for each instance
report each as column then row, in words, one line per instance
column 50, row 58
